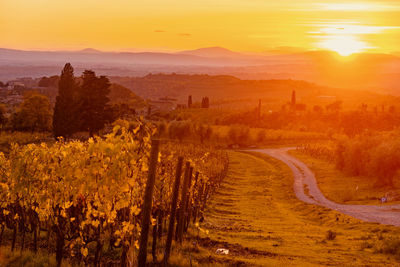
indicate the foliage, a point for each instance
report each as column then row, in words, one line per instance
column 180, row 130
column 34, row 114
column 65, row 117
column 49, row 81
column 330, row 235
column 90, row 193
column 320, row 150
column 205, row 102
column 390, row 245
column 21, row 138
column 93, row 99
column 238, row 135
column 203, row 132
column 351, row 123
column 373, row 155
column 3, row 119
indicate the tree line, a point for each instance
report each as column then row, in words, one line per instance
column 81, row 106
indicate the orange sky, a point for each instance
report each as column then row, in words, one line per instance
column 243, row 25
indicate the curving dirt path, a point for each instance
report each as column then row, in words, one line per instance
column 306, row 189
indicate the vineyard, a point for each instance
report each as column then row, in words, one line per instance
column 94, row 202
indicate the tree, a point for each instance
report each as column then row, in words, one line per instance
column 34, row 114
column 335, row 106
column 204, row 132
column 261, row 136
column 65, row 119
column 93, row 98
column 293, row 102
column 318, row 109
column 190, row 101
column 3, row 119
column 51, row 81
column 205, row 102
column 239, row 135
column 179, row 130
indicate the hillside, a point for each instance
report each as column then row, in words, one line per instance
column 122, row 95
column 224, row 90
column 377, row 72
column 118, row 93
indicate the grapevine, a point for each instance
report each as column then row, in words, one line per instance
column 88, row 196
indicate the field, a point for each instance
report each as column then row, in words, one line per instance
column 342, row 188
column 257, row 217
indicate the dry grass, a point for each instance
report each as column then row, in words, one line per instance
column 257, row 217
column 27, row 259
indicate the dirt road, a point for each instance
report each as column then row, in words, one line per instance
column 306, row 189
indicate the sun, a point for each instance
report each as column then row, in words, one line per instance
column 344, row 45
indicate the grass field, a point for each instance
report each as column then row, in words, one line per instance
column 342, row 188
column 257, row 217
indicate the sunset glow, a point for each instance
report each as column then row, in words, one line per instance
column 156, row 25
column 344, row 45
column 350, row 6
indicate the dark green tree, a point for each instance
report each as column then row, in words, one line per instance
column 49, row 81
column 93, row 96
column 3, row 119
column 65, row 121
column 34, row 114
column 190, row 101
column 293, row 101
column 205, row 102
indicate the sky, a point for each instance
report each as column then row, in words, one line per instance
column 171, row 25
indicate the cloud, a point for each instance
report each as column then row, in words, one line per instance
column 185, row 34
column 159, row 31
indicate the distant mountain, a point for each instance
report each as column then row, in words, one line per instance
column 89, row 50
column 214, row 52
column 378, row 72
column 90, row 57
column 283, row 50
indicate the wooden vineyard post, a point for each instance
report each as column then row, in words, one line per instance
column 148, row 195
column 182, row 207
column 188, row 204
column 196, row 199
column 172, row 216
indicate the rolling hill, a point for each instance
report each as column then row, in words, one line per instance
column 374, row 72
column 224, row 90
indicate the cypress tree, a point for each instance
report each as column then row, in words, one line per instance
column 205, row 102
column 190, row 101
column 293, row 98
column 64, row 116
column 94, row 102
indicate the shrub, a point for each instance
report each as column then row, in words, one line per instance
column 330, row 235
